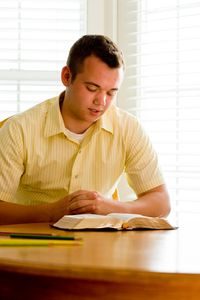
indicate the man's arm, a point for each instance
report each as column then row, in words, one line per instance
column 154, row 202
column 11, row 213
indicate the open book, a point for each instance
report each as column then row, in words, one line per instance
column 116, row 221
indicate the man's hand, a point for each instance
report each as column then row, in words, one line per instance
column 84, row 201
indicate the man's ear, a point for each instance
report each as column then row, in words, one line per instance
column 66, row 76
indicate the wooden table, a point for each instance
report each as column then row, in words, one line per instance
column 108, row 265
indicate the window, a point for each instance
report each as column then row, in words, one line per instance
column 162, row 87
column 35, row 38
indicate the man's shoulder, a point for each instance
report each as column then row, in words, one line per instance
column 34, row 114
column 125, row 125
column 121, row 116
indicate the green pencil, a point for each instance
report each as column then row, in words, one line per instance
column 41, row 236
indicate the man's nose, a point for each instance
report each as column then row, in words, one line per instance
column 100, row 99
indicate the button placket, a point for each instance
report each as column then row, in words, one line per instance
column 76, row 172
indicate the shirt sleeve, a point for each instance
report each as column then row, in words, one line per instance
column 142, row 167
column 11, row 159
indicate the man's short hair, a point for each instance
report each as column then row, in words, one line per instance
column 98, row 45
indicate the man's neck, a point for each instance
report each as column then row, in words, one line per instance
column 71, row 123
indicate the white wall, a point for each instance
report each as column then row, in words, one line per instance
column 102, row 17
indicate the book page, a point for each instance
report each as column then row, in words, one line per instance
column 88, row 221
column 125, row 217
column 148, row 223
column 132, row 221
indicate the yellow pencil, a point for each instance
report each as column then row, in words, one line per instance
column 40, row 242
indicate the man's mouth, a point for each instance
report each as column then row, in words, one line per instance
column 95, row 111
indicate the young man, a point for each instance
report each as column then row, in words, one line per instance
column 66, row 155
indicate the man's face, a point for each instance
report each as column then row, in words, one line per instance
column 91, row 93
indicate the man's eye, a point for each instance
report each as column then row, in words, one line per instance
column 91, row 88
column 112, row 93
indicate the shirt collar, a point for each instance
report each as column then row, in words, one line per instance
column 105, row 121
column 55, row 125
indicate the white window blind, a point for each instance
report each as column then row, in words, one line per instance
column 35, row 36
column 161, row 43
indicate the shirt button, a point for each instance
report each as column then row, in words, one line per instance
column 76, row 176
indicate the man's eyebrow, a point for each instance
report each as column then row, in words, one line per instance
column 98, row 86
column 92, row 83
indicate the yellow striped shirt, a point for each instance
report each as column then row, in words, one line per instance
column 40, row 162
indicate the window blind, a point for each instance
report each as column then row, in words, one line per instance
column 161, row 44
column 35, row 38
